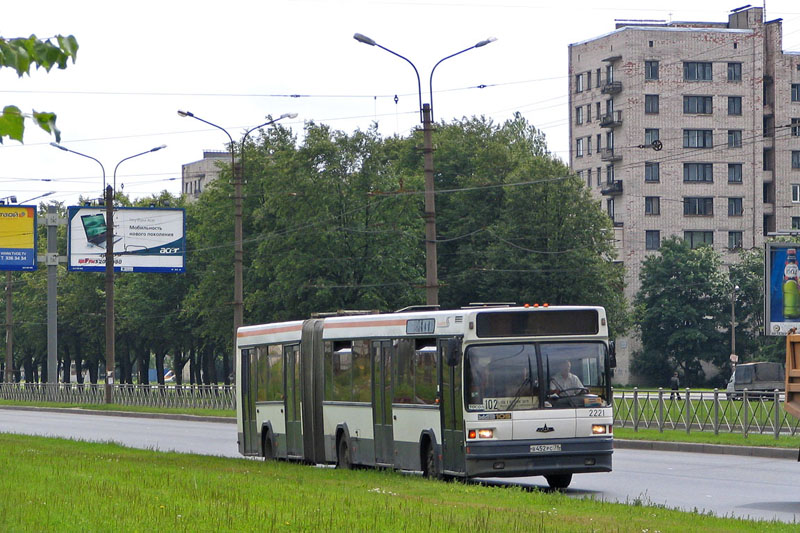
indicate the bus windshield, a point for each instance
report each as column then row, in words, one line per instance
column 507, row 377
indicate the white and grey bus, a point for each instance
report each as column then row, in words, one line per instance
column 477, row 392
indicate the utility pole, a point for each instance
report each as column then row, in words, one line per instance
column 9, row 332
column 109, row 293
column 51, row 260
column 431, row 270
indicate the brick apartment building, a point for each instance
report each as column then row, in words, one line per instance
column 688, row 129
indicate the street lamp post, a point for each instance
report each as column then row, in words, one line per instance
column 426, row 117
column 734, row 357
column 108, row 192
column 238, row 245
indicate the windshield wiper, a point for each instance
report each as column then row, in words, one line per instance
column 518, row 394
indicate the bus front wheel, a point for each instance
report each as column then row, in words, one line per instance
column 343, row 459
column 559, row 481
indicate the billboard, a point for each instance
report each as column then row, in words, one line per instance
column 18, row 237
column 145, row 239
column 782, row 288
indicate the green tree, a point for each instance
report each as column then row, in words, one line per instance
column 680, row 312
column 22, row 53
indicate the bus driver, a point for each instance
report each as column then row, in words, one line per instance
column 565, row 383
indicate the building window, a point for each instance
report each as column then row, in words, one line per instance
column 597, row 110
column 796, row 127
column 652, row 172
column 702, row 172
column 734, row 105
column 610, row 208
column 610, row 140
column 579, row 147
column 697, row 71
column 769, row 125
column 734, row 240
column 796, row 92
column 701, row 105
column 651, row 103
column 578, row 83
column 735, row 208
column 610, row 174
column 734, row 172
column 768, row 159
column 588, row 112
column 589, row 178
column 588, row 80
column 609, row 73
column 698, row 207
column 795, row 193
column 579, row 115
column 698, row 139
column 734, row 138
column 652, row 239
column 795, row 222
column 734, row 72
column 795, row 158
column 652, row 205
column 697, row 239
column 650, row 135
column 597, row 80
column 651, row 70
column 599, row 142
column 599, row 175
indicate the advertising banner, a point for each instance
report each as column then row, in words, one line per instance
column 145, row 239
column 18, row 237
column 782, row 291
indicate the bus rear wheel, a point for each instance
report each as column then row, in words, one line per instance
column 343, row 459
column 429, row 462
column 559, row 481
column 266, row 448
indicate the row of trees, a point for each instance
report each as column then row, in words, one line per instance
column 333, row 221
column 683, row 313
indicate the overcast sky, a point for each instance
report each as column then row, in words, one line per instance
column 234, row 62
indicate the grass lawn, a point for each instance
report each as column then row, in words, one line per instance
column 60, row 485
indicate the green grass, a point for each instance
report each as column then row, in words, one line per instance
column 708, row 437
column 127, row 408
column 58, row 485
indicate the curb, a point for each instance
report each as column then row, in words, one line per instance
column 719, row 449
column 129, row 414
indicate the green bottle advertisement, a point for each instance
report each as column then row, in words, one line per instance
column 791, row 295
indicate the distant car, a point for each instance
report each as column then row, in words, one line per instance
column 169, row 376
column 757, row 378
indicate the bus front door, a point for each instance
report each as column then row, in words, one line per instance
column 382, row 401
column 452, row 415
column 294, row 428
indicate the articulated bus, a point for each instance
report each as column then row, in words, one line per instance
column 489, row 391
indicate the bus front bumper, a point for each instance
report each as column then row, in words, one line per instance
column 538, row 457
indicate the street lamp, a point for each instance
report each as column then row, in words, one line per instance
column 426, row 117
column 734, row 357
column 238, row 249
column 109, row 281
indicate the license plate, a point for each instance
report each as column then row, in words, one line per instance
column 545, row 448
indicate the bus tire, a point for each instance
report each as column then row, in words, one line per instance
column 343, row 459
column 559, row 481
column 429, row 461
column 266, row 447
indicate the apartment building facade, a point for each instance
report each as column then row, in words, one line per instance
column 689, row 129
column 195, row 176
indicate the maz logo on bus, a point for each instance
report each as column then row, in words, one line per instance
column 169, row 250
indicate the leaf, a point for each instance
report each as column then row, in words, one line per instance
column 12, row 123
column 47, row 121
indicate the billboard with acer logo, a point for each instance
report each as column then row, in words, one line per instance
column 145, row 239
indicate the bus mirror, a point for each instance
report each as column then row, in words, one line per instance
column 452, row 351
column 612, row 354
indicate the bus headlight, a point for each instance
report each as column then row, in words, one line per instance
column 599, row 429
column 480, row 433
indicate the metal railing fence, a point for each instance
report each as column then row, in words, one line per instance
column 687, row 410
column 168, row 396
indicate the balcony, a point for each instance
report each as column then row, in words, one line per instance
column 611, row 120
column 607, row 154
column 611, row 87
column 613, row 188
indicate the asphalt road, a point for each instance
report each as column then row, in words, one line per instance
column 727, row 485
